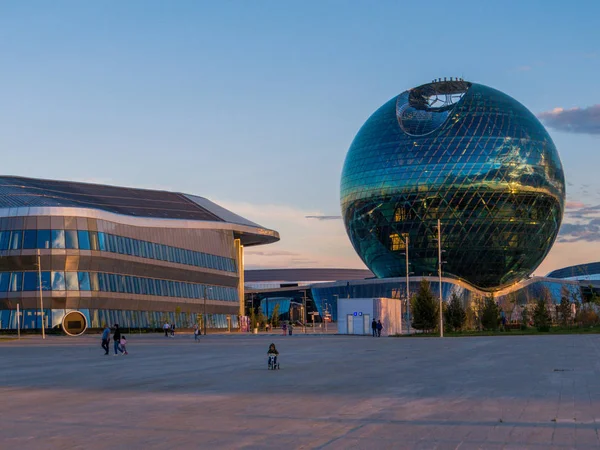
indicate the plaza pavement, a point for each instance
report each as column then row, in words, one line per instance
column 332, row 392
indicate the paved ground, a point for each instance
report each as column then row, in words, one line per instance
column 332, row 392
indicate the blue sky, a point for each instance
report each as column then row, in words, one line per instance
column 253, row 104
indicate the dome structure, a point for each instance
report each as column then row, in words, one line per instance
column 468, row 155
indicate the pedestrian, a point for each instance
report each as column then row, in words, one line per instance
column 290, row 328
column 196, row 332
column 284, row 328
column 173, row 330
column 374, row 327
column 105, row 338
column 117, row 340
column 166, row 328
column 123, row 343
column 379, row 328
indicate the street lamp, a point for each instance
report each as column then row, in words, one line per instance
column 39, row 266
column 440, row 262
column 204, row 313
column 405, row 236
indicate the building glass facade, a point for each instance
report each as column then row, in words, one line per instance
column 465, row 154
column 119, row 255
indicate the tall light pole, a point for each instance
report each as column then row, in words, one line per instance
column 439, row 226
column 304, row 312
column 337, row 299
column 204, row 313
column 39, row 266
column 405, row 236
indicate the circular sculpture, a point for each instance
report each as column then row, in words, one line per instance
column 468, row 155
column 74, row 323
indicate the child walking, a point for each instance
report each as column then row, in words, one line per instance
column 123, row 343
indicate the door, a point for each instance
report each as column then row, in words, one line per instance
column 366, row 322
column 350, row 324
column 358, row 325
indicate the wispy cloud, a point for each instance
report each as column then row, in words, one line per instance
column 574, row 205
column 321, row 242
column 574, row 120
column 324, row 217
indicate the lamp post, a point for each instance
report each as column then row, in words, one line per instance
column 337, row 300
column 304, row 312
column 406, row 239
column 439, row 227
column 204, row 313
column 39, row 266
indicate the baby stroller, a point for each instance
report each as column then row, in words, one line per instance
column 272, row 365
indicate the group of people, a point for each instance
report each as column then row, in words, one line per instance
column 376, row 327
column 119, row 340
column 169, row 329
column 285, row 328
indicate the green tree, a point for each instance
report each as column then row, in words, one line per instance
column 490, row 316
column 253, row 320
column 275, row 316
column 455, row 315
column 541, row 316
column 564, row 308
column 424, row 308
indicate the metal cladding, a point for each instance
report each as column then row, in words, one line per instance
column 468, row 155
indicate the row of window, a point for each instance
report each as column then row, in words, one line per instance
column 93, row 240
column 111, row 282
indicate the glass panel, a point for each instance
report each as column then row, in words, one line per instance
column 129, row 285
column 16, row 281
column 4, row 281
column 71, row 239
column 4, row 240
column 136, row 285
column 94, row 245
column 71, row 281
column 30, row 239
column 46, row 281
column 112, row 282
column 58, row 239
column 120, row 245
column 102, row 242
column 121, row 283
column 94, row 285
column 30, row 281
column 84, row 280
column 43, row 239
column 128, row 246
column 84, row 239
column 144, row 249
column 103, row 282
column 58, row 281
column 16, row 240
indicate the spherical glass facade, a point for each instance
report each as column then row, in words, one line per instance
column 468, row 155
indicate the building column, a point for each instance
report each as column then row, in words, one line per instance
column 239, row 252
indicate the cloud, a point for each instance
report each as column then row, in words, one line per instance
column 324, row 217
column 574, row 205
column 574, row 120
column 304, row 243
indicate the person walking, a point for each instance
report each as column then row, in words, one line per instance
column 283, row 328
column 123, row 343
column 379, row 328
column 117, row 340
column 105, row 339
column 290, row 328
column 173, row 330
column 196, row 332
column 374, row 327
column 166, row 327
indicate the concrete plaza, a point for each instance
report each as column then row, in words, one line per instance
column 332, row 392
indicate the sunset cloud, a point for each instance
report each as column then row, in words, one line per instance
column 574, row 120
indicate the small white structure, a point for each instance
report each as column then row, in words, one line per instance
column 356, row 314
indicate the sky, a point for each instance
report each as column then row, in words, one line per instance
column 253, row 104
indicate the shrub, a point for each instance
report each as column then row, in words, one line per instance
column 455, row 315
column 490, row 317
column 541, row 316
column 424, row 308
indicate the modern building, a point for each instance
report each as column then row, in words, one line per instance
column 464, row 154
column 323, row 297
column 121, row 255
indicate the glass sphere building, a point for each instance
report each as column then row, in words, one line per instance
column 468, row 155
